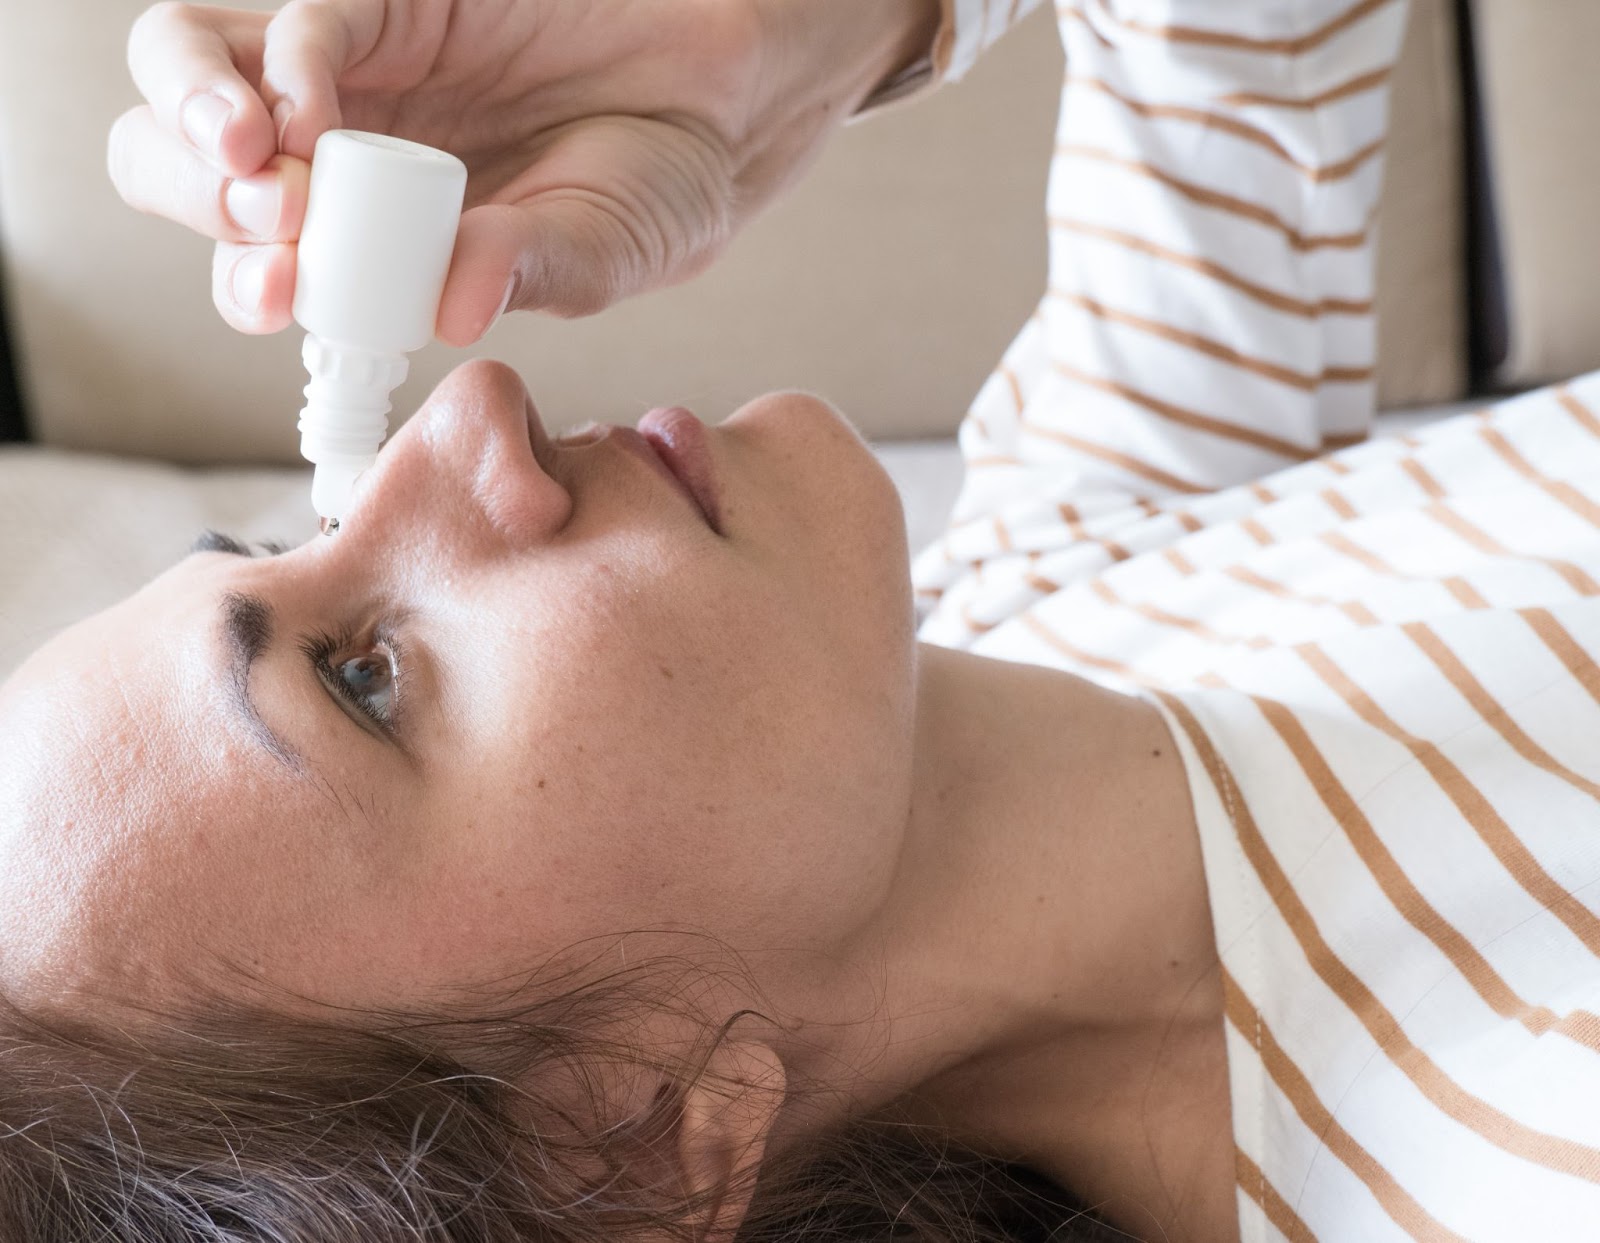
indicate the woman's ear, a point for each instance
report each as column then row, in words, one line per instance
column 724, row 1121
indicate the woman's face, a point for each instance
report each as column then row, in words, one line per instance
column 572, row 706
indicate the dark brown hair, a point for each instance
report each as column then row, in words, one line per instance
column 241, row 1123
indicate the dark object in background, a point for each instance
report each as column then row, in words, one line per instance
column 1488, row 328
column 13, row 426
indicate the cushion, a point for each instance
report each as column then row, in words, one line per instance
column 1421, row 289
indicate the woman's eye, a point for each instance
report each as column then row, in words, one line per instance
column 363, row 672
column 368, row 682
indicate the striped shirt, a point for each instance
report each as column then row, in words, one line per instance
column 1380, row 658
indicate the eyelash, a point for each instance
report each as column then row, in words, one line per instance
column 320, row 649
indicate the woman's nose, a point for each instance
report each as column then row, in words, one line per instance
column 470, row 464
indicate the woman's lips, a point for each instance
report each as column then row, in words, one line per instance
column 674, row 444
column 680, row 443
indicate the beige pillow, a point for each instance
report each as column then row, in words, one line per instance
column 1422, row 313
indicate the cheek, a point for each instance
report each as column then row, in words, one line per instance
column 712, row 734
column 828, row 527
column 693, row 753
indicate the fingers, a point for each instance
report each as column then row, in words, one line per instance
column 206, row 150
column 191, row 62
column 567, row 256
column 158, row 172
column 308, row 44
column 253, row 286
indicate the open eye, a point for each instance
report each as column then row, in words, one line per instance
column 369, row 682
column 364, row 674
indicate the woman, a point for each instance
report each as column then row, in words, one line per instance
column 582, row 844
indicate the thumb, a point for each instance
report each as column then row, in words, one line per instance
column 570, row 254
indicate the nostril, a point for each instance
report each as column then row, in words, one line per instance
column 538, row 438
column 582, row 433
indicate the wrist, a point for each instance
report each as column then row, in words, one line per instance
column 838, row 53
column 910, row 31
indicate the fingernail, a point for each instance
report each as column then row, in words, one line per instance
column 248, row 282
column 282, row 114
column 505, row 301
column 256, row 204
column 204, row 118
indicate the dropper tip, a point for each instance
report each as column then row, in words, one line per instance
column 329, row 526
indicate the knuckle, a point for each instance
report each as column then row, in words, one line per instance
column 156, row 35
column 167, row 14
column 155, row 24
column 579, row 292
column 290, row 21
column 609, row 254
column 201, row 192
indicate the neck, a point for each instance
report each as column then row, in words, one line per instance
column 1048, row 930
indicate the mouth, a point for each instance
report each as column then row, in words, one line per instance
column 672, row 443
column 679, row 442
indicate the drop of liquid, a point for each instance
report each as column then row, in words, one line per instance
column 330, row 526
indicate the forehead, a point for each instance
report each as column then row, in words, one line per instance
column 108, row 699
column 117, row 759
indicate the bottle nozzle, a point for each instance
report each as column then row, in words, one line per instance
column 345, row 419
column 332, row 486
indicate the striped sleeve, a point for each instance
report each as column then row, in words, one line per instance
column 1209, row 315
column 967, row 29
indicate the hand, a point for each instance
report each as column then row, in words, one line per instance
column 613, row 146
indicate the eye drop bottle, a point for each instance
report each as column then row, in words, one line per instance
column 379, row 231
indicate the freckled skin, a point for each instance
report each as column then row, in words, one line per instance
column 549, row 616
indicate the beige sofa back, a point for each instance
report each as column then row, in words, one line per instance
column 889, row 282
column 1541, row 101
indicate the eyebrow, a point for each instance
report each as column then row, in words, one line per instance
column 215, row 541
column 247, row 632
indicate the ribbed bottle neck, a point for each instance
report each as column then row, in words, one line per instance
column 347, row 407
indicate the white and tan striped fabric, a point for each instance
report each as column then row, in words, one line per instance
column 1381, row 664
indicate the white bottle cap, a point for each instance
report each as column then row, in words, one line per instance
column 374, row 252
